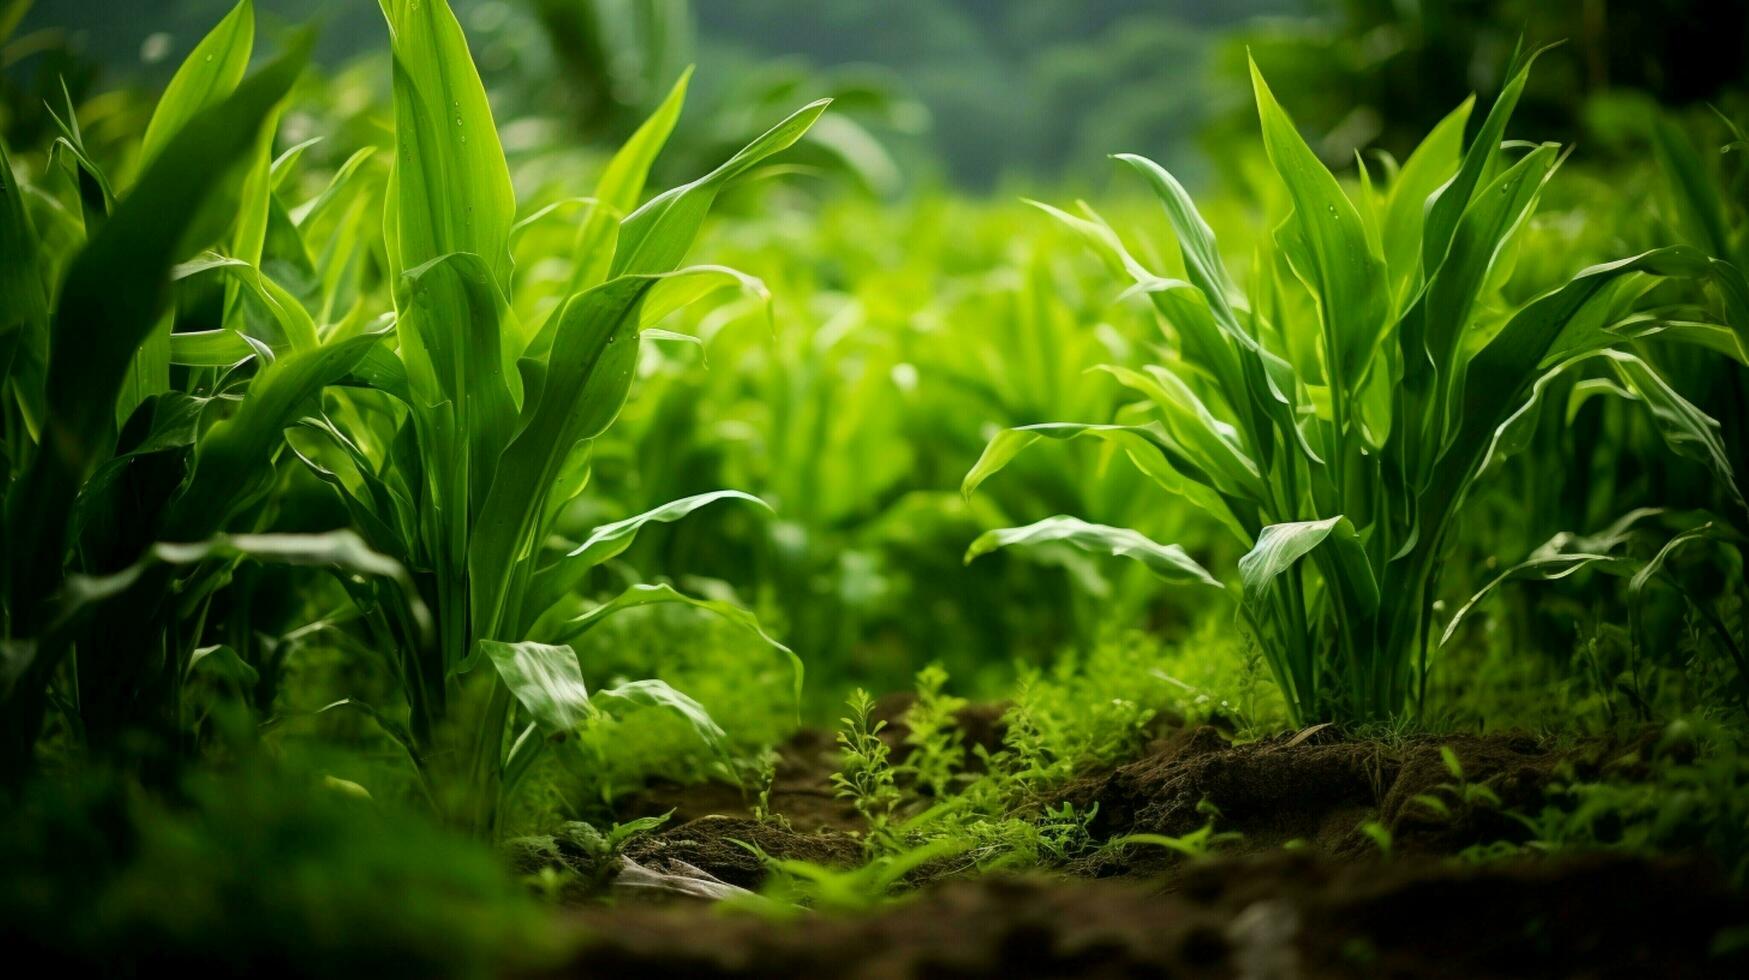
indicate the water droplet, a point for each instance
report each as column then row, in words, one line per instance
column 1332, row 209
column 209, row 57
column 464, row 138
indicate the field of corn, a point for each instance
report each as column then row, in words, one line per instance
column 572, row 488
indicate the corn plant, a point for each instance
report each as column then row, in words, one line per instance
column 474, row 431
column 1336, row 417
column 122, row 488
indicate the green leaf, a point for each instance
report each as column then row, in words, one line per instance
column 1687, row 430
column 1447, row 207
column 450, row 191
column 1194, row 431
column 1432, row 164
column 24, row 313
column 657, row 694
column 457, row 350
column 552, row 582
column 208, row 76
column 655, row 594
column 546, row 679
column 340, row 551
column 1145, row 446
column 1562, row 555
column 1337, row 262
column 581, row 387
column 225, row 661
column 114, row 293
column 1500, row 375
column 1693, row 189
column 1168, row 561
column 656, row 237
column 1458, row 285
column 1281, row 545
column 233, row 462
column 621, row 188
column 297, row 329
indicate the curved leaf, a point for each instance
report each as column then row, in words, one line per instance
column 1281, row 545
column 546, row 679
column 656, row 594
column 608, row 540
column 1168, row 561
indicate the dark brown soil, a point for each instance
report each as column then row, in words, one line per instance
column 1263, row 917
column 1318, row 789
column 1334, row 907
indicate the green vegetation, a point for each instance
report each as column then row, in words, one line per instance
column 434, row 510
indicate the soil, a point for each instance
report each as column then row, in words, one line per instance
column 1264, row 917
column 1297, row 889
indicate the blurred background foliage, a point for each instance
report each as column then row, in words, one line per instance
column 973, row 92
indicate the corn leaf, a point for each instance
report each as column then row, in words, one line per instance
column 1168, row 561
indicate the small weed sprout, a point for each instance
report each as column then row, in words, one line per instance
column 1196, row 845
column 1379, row 834
column 1460, row 789
column 868, row 777
column 937, row 746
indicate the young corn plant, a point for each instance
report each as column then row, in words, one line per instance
column 119, row 485
column 474, row 430
column 1336, row 417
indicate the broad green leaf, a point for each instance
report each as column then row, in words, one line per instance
column 1337, row 263
column 608, row 540
column 547, row 680
column 1146, row 446
column 572, row 397
column 340, row 551
column 1196, row 240
column 657, row 694
column 1432, row 164
column 223, row 660
column 621, row 188
column 1562, row 555
column 1194, row 431
column 209, row 348
column 1281, row 545
column 1211, row 336
column 1693, row 189
column 451, row 188
column 1450, row 202
column 457, row 350
column 655, row 238
column 24, row 314
column 676, row 293
column 1168, row 561
column 295, row 324
column 209, row 74
column 1734, row 289
column 1456, row 287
